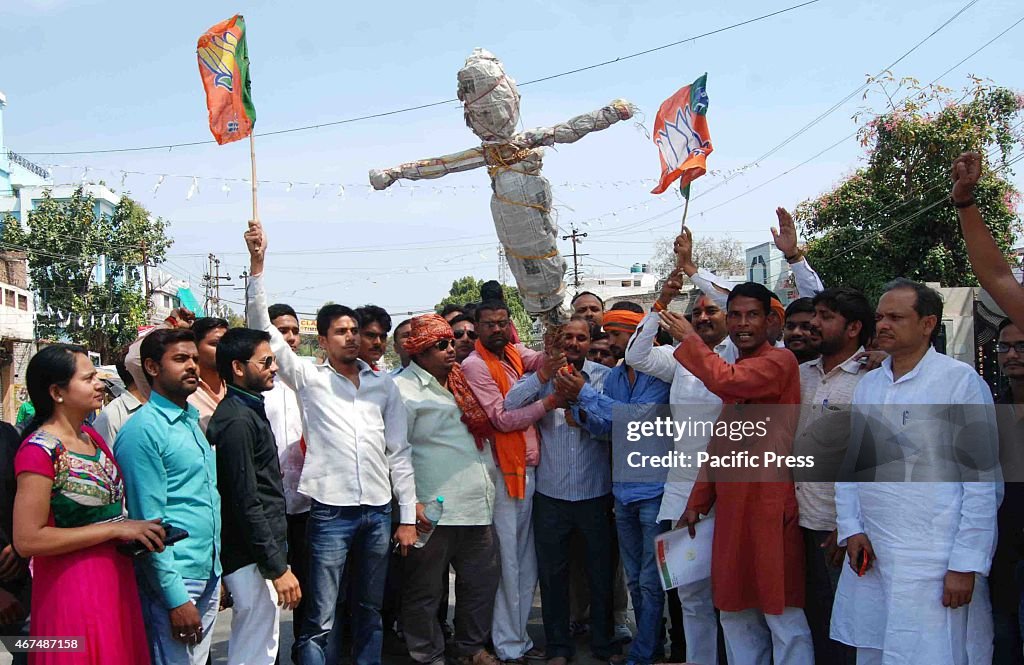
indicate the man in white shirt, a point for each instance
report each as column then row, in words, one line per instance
column 843, row 322
column 915, row 590
column 688, row 399
column 356, row 455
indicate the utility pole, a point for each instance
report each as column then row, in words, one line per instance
column 245, row 294
column 577, row 238
column 145, row 276
column 502, row 265
column 212, row 280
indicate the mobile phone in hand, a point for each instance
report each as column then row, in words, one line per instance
column 172, row 534
column 863, row 559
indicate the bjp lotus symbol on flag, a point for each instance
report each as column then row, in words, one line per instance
column 224, row 66
column 682, row 136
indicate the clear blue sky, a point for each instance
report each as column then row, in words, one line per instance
column 83, row 75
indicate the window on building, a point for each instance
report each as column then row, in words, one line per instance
column 601, row 282
column 9, row 298
column 636, row 282
column 626, row 282
column 22, row 302
column 167, row 301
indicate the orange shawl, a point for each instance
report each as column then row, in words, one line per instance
column 510, row 446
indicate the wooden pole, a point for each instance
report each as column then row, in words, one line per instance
column 686, row 205
column 686, row 208
column 252, row 161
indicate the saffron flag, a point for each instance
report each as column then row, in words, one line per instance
column 682, row 136
column 224, row 66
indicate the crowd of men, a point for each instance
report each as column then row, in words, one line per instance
column 304, row 485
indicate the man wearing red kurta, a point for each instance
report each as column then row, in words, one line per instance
column 757, row 565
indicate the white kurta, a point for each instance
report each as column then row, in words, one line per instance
column 918, row 530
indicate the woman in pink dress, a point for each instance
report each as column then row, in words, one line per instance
column 69, row 518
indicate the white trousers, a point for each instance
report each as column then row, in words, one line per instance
column 755, row 638
column 513, row 524
column 700, row 625
column 254, row 618
column 868, row 656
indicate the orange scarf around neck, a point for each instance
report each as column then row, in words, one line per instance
column 510, row 446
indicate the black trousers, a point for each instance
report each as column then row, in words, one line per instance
column 553, row 524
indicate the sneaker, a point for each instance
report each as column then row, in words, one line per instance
column 623, row 633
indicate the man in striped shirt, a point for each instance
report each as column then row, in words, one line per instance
column 573, row 492
column 844, row 321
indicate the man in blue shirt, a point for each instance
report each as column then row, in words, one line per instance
column 573, row 492
column 170, row 472
column 633, row 395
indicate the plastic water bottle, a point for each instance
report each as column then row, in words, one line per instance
column 433, row 512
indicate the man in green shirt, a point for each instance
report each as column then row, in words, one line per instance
column 447, row 433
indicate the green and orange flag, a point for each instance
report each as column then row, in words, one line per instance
column 224, row 66
column 682, row 136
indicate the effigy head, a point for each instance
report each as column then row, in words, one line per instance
column 489, row 96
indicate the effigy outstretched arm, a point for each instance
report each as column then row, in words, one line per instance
column 425, row 169
column 575, row 128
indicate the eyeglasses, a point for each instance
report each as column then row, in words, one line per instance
column 459, row 334
column 266, row 362
column 442, row 344
column 1004, row 347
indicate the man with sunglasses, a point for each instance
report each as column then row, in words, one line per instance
column 464, row 331
column 1006, row 581
column 448, row 433
column 254, row 537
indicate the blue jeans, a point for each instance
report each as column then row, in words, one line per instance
column 164, row 649
column 333, row 533
column 637, row 524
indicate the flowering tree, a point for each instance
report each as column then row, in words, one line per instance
column 891, row 218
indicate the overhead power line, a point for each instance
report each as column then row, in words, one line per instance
column 419, row 107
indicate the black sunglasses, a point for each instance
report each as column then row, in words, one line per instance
column 459, row 334
column 442, row 344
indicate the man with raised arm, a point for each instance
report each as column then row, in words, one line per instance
column 357, row 454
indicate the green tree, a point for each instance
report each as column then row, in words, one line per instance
column 880, row 222
column 467, row 289
column 69, row 245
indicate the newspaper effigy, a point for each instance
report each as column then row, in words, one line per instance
column 521, row 200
